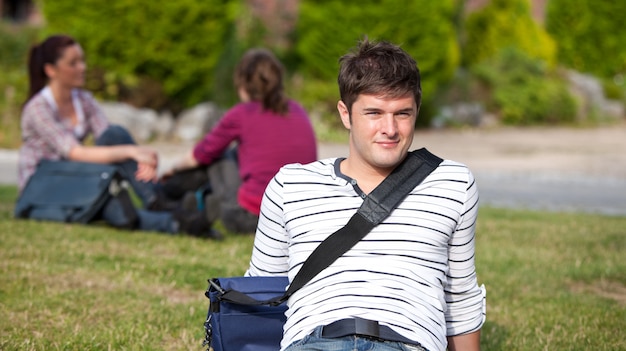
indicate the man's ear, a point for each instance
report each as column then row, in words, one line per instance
column 345, row 114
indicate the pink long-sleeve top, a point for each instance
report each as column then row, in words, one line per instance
column 266, row 142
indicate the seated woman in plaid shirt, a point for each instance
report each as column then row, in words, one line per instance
column 58, row 116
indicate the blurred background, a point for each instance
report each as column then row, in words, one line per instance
column 484, row 63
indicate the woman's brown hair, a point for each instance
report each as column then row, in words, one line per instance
column 260, row 74
column 49, row 51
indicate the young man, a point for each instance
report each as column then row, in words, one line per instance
column 412, row 278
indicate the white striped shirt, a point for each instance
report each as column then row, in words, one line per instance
column 414, row 272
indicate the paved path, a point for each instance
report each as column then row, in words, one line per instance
column 8, row 166
column 554, row 169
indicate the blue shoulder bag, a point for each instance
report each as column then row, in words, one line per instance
column 67, row 191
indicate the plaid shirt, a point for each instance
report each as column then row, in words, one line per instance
column 47, row 135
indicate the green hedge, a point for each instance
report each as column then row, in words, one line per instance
column 176, row 44
column 328, row 29
column 505, row 24
column 15, row 42
column 180, row 53
column 590, row 35
column 524, row 91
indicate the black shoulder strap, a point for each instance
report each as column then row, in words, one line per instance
column 375, row 208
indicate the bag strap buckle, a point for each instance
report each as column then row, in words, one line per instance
column 208, row 334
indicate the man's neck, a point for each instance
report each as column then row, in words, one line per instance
column 366, row 176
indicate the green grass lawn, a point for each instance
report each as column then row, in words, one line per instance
column 554, row 282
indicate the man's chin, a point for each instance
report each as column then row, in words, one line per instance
column 389, row 161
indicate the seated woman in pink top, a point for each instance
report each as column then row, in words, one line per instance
column 268, row 130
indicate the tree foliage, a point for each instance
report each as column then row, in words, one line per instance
column 505, row 24
column 175, row 43
column 178, row 53
column 14, row 47
column 425, row 29
column 524, row 91
column 590, row 35
column 328, row 29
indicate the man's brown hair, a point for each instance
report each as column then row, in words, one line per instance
column 378, row 68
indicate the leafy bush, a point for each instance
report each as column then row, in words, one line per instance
column 15, row 42
column 591, row 39
column 615, row 89
column 590, row 35
column 524, row 91
column 174, row 43
column 328, row 29
column 501, row 24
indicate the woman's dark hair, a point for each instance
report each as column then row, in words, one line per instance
column 49, row 51
column 260, row 74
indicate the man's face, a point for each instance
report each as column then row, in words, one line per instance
column 381, row 130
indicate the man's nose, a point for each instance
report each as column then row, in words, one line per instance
column 389, row 125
